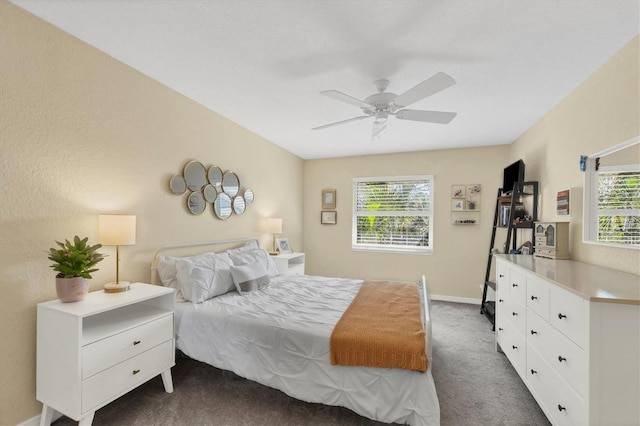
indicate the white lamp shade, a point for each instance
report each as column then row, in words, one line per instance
column 274, row 225
column 116, row 229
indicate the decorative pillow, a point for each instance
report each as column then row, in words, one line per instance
column 249, row 277
column 204, row 278
column 166, row 268
column 251, row 245
column 253, row 256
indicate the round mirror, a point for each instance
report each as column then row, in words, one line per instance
column 248, row 196
column 222, row 206
column 239, row 205
column 215, row 176
column 177, row 185
column 195, row 175
column 196, row 203
column 230, row 184
column 209, row 193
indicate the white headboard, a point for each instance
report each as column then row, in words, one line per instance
column 190, row 249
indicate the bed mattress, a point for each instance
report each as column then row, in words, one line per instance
column 279, row 336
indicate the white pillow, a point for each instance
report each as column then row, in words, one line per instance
column 249, row 277
column 253, row 256
column 251, row 245
column 205, row 277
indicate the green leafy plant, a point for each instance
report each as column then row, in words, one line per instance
column 75, row 259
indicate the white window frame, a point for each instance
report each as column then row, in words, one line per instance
column 388, row 248
column 590, row 207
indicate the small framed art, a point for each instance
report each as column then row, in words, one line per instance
column 329, row 218
column 328, row 199
column 283, row 245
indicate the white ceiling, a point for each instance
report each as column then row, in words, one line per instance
column 262, row 63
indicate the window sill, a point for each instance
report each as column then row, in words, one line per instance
column 408, row 250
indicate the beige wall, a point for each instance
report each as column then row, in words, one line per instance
column 82, row 134
column 603, row 111
column 457, row 265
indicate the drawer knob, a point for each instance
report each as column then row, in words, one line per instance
column 514, row 346
column 561, row 358
column 561, row 408
column 561, row 315
column 534, row 297
column 500, row 329
column 515, row 314
column 514, row 285
column 533, row 371
column 136, row 342
column 500, row 300
column 501, row 276
column 533, row 332
column 136, row 371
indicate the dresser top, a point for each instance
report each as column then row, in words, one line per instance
column 591, row 282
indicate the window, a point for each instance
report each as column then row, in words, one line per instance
column 612, row 188
column 393, row 214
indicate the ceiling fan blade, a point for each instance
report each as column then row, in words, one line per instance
column 341, row 122
column 430, row 86
column 440, row 117
column 346, row 98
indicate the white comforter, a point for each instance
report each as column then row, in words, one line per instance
column 279, row 336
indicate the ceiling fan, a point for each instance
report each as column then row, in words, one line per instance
column 383, row 104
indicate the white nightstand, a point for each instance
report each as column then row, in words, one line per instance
column 290, row 263
column 96, row 350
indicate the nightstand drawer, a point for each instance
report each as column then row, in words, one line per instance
column 105, row 353
column 109, row 384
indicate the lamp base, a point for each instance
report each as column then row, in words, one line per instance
column 117, row 287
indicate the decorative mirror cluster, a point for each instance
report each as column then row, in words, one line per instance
column 222, row 190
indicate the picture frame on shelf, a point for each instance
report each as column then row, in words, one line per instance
column 283, row 245
column 328, row 217
column 458, row 191
column 328, row 199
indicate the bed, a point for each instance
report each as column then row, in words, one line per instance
column 278, row 335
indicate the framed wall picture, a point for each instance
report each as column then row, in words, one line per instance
column 283, row 245
column 328, row 218
column 458, row 191
column 328, row 199
column 457, row 204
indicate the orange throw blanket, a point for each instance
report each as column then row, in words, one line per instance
column 381, row 328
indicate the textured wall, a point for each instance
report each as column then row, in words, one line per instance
column 601, row 112
column 81, row 135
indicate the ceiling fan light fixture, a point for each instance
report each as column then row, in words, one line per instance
column 381, row 117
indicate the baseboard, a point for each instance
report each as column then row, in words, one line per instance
column 467, row 300
column 35, row 421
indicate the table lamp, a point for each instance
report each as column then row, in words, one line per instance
column 117, row 230
column 274, row 226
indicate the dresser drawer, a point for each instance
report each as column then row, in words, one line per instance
column 100, row 355
column 517, row 315
column 568, row 314
column 111, row 383
column 513, row 345
column 567, row 358
column 555, row 395
column 517, row 287
column 538, row 297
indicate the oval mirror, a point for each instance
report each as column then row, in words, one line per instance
column 195, row 175
column 177, row 185
column 248, row 196
column 215, row 176
column 239, row 205
column 196, row 203
column 209, row 193
column 230, row 183
column 222, row 206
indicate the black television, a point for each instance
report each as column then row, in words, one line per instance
column 512, row 174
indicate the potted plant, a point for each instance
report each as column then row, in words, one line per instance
column 75, row 263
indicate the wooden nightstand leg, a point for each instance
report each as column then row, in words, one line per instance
column 47, row 415
column 87, row 420
column 167, row 381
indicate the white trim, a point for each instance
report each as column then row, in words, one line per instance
column 455, row 299
column 35, row 421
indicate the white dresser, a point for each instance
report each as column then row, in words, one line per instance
column 93, row 351
column 572, row 332
column 290, row 263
